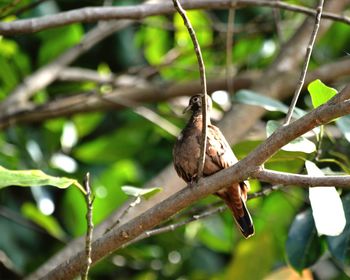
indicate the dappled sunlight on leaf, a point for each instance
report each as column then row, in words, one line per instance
column 327, row 207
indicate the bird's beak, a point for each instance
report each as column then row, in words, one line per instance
column 186, row 109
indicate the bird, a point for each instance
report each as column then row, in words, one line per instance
column 218, row 156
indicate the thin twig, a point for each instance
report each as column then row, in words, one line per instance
column 284, row 178
column 201, row 66
column 306, row 63
column 90, row 227
column 229, row 43
column 265, row 191
column 123, row 213
column 174, row 226
column 199, row 216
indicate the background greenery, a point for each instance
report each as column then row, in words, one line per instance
column 122, row 148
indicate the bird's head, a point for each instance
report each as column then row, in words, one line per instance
column 195, row 104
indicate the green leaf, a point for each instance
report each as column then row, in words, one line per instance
column 33, row 178
column 8, row 77
column 343, row 124
column 73, row 211
column 49, row 223
column 137, row 192
column 51, row 47
column 300, row 144
column 303, row 246
column 281, row 161
column 331, row 49
column 126, row 142
column 108, row 195
column 253, row 98
column 320, row 93
column 264, row 248
column 154, row 49
column 215, row 234
column 14, row 64
column 182, row 67
column 200, row 22
column 247, row 50
column 339, row 246
column 86, row 123
column 8, row 48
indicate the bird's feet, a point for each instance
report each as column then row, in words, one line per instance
column 194, row 181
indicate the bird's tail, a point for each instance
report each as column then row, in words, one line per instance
column 235, row 198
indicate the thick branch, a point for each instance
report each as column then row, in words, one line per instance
column 93, row 14
column 93, row 102
column 273, row 84
column 240, row 171
column 87, row 102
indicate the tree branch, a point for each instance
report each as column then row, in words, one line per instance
column 93, row 14
column 90, row 226
column 173, row 227
column 92, row 101
column 284, row 178
column 44, row 76
column 87, row 102
column 274, row 83
column 199, row 216
column 238, row 172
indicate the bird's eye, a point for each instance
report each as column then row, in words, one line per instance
column 196, row 99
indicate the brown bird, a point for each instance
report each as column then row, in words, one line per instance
column 218, row 156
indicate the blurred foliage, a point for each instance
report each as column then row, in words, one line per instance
column 121, row 148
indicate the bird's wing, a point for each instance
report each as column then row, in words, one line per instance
column 218, row 150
